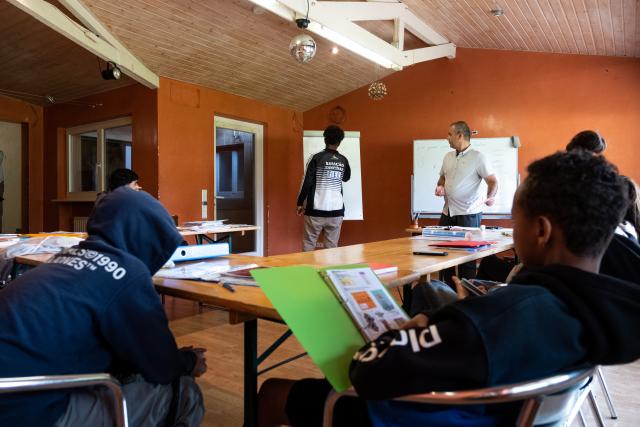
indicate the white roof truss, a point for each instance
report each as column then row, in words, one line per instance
column 94, row 37
column 334, row 20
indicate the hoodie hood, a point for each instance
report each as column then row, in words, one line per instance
column 609, row 309
column 136, row 223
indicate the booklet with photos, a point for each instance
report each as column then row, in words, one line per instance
column 332, row 312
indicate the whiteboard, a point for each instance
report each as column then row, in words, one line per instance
column 427, row 161
column 313, row 142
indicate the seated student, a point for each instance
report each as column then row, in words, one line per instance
column 617, row 259
column 622, row 257
column 93, row 308
column 120, row 178
column 557, row 316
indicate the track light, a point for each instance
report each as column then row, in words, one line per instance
column 112, row 72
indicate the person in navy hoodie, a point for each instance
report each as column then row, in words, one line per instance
column 93, row 308
column 558, row 315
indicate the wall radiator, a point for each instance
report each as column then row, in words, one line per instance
column 80, row 224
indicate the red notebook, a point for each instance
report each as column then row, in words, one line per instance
column 462, row 243
column 382, row 268
column 245, row 273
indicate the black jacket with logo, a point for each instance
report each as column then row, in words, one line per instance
column 92, row 308
column 549, row 320
column 321, row 191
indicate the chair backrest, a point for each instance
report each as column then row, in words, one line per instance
column 56, row 382
column 562, row 389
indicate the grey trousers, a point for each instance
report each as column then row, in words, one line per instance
column 147, row 405
column 313, row 225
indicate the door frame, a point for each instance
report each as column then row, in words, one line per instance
column 258, row 130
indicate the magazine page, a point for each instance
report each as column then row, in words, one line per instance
column 367, row 300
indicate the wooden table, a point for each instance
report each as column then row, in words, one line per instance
column 248, row 304
column 227, row 230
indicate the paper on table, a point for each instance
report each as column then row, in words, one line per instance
column 192, row 271
column 207, row 271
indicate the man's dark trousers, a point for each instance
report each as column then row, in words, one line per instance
column 468, row 269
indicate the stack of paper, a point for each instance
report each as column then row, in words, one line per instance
column 202, row 225
column 207, row 271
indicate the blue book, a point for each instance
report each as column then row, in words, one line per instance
column 429, row 232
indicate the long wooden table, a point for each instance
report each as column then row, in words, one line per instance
column 247, row 304
column 227, row 231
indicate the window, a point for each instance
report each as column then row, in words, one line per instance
column 93, row 152
column 230, row 159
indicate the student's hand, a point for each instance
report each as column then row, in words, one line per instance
column 418, row 321
column 440, row 190
column 490, row 201
column 201, row 361
column 299, row 210
column 460, row 290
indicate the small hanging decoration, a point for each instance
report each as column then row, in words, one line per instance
column 302, row 48
column 377, row 90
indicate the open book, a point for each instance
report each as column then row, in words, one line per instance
column 332, row 312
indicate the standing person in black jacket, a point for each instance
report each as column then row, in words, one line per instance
column 557, row 316
column 93, row 308
column 320, row 197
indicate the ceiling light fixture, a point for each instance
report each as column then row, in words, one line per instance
column 497, row 12
column 112, row 72
column 335, row 50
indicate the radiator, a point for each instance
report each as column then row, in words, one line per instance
column 80, row 224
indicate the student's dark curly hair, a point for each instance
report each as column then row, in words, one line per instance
column 581, row 193
column 333, row 135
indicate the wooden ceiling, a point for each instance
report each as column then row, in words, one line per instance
column 224, row 45
column 38, row 62
column 585, row 27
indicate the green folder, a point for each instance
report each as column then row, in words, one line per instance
column 315, row 316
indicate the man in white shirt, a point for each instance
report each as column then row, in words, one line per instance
column 461, row 174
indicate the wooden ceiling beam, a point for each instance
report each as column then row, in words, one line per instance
column 95, row 39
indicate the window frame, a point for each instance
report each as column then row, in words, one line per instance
column 99, row 128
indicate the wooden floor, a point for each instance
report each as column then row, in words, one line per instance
column 222, row 384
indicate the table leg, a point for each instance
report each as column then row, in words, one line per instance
column 406, row 298
column 250, row 373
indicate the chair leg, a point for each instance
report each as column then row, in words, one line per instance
column 583, row 422
column 528, row 412
column 596, row 411
column 607, row 395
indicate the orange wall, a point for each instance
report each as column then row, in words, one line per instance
column 12, row 110
column 136, row 101
column 543, row 98
column 185, row 141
